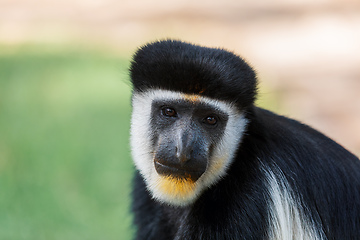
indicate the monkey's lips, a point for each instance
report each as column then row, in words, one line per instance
column 178, row 171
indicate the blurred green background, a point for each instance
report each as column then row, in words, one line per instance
column 65, row 169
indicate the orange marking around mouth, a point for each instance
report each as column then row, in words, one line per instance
column 176, row 187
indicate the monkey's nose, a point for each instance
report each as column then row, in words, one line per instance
column 184, row 155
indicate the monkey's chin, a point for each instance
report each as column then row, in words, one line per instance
column 174, row 190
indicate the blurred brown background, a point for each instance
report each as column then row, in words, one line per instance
column 307, row 53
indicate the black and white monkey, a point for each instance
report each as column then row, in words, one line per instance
column 211, row 165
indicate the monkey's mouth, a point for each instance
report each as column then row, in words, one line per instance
column 178, row 171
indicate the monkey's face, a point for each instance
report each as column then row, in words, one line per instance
column 181, row 143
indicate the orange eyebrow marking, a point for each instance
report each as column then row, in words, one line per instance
column 202, row 91
column 193, row 97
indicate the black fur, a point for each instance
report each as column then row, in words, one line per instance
column 182, row 67
column 324, row 176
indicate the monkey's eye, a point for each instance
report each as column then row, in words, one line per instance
column 169, row 112
column 210, row 120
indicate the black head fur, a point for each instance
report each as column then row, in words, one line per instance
column 183, row 67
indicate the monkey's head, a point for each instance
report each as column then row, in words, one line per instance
column 188, row 116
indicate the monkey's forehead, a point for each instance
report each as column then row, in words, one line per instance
column 146, row 98
column 191, row 69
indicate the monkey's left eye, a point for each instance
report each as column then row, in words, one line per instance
column 210, row 120
column 169, row 112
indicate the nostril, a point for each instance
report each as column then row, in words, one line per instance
column 190, row 153
column 183, row 159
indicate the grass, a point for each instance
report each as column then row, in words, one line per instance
column 65, row 168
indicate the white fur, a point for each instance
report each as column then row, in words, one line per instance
column 143, row 153
column 287, row 220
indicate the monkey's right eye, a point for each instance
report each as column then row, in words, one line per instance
column 169, row 112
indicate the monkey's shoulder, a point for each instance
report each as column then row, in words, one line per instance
column 280, row 134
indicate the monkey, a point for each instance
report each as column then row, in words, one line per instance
column 210, row 164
